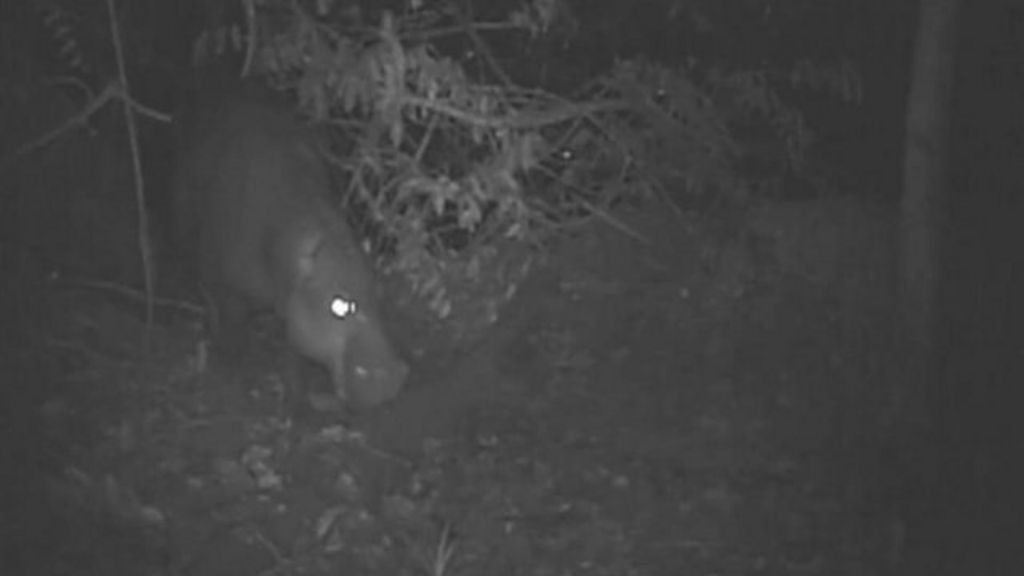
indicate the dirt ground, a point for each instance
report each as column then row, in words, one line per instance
column 710, row 400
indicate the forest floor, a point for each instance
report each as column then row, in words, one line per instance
column 707, row 401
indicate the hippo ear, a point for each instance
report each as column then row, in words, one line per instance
column 308, row 249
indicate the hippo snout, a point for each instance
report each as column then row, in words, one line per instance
column 371, row 372
column 371, row 386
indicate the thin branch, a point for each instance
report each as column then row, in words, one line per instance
column 145, row 248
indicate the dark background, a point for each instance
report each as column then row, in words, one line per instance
column 964, row 514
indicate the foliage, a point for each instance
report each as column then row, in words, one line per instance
column 454, row 181
column 451, row 178
column 434, row 165
column 64, row 29
column 764, row 124
column 664, row 139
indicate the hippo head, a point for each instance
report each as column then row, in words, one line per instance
column 331, row 317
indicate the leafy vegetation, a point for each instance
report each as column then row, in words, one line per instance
column 652, row 409
column 460, row 181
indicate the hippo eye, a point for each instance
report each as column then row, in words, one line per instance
column 342, row 308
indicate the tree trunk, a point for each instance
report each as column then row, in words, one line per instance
column 925, row 179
